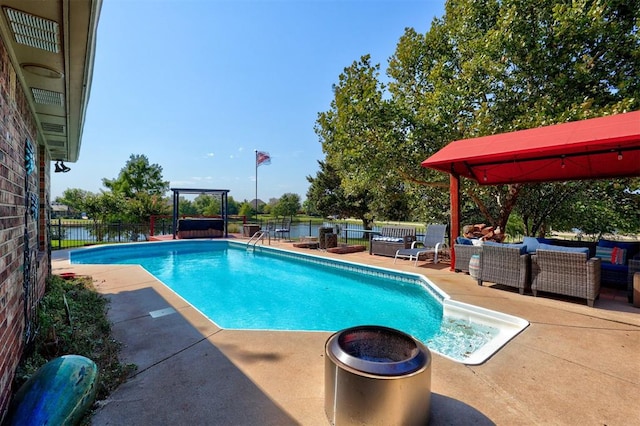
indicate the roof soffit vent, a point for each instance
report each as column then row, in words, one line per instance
column 46, row 97
column 53, row 128
column 34, row 31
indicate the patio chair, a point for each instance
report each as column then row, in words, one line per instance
column 285, row 228
column 566, row 271
column 463, row 253
column 433, row 242
column 505, row 264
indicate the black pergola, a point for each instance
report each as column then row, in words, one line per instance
column 224, row 206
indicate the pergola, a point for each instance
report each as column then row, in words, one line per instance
column 224, row 206
column 597, row 148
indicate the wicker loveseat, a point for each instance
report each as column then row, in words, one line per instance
column 391, row 239
column 506, row 264
column 567, row 271
column 616, row 273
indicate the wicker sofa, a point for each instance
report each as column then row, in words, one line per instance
column 391, row 239
column 619, row 275
column 506, row 264
column 566, row 271
column 612, row 274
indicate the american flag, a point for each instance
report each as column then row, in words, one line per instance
column 262, row 158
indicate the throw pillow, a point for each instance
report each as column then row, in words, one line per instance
column 464, row 241
column 531, row 243
column 604, row 253
column 621, row 256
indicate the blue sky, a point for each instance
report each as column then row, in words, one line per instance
column 198, row 85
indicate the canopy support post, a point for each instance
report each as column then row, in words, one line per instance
column 454, row 228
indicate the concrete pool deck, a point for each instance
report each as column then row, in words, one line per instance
column 572, row 365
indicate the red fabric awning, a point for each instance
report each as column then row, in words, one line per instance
column 598, row 148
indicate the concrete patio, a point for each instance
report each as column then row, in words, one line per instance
column 572, row 365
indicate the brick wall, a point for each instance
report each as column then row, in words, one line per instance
column 18, row 282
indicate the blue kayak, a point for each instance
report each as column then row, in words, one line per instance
column 59, row 393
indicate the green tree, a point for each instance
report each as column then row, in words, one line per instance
column 601, row 206
column 287, row 205
column 104, row 208
column 207, row 205
column 325, row 194
column 75, row 199
column 356, row 136
column 142, row 206
column 233, row 207
column 328, row 197
column 186, row 207
column 309, row 209
column 138, row 176
column 495, row 66
column 211, row 205
column 140, row 184
column 246, row 209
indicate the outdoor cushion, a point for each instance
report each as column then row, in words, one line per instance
column 520, row 246
column 632, row 247
column 621, row 244
column 531, row 244
column 617, row 268
column 551, row 247
column 391, row 239
column 604, row 253
column 464, row 241
column 619, row 256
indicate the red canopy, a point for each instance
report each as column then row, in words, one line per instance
column 598, row 148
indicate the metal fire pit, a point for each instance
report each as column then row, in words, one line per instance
column 376, row 375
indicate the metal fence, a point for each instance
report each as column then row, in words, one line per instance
column 71, row 233
column 348, row 232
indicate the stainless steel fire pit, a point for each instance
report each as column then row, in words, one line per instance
column 376, row 375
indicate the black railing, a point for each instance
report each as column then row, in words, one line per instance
column 71, row 233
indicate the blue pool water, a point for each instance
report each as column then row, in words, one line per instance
column 264, row 289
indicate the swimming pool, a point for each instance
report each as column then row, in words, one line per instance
column 275, row 289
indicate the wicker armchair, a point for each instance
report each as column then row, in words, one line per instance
column 463, row 256
column 567, row 273
column 504, row 264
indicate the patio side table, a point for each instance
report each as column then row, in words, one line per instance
column 474, row 266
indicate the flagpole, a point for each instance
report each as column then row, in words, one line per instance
column 256, row 200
